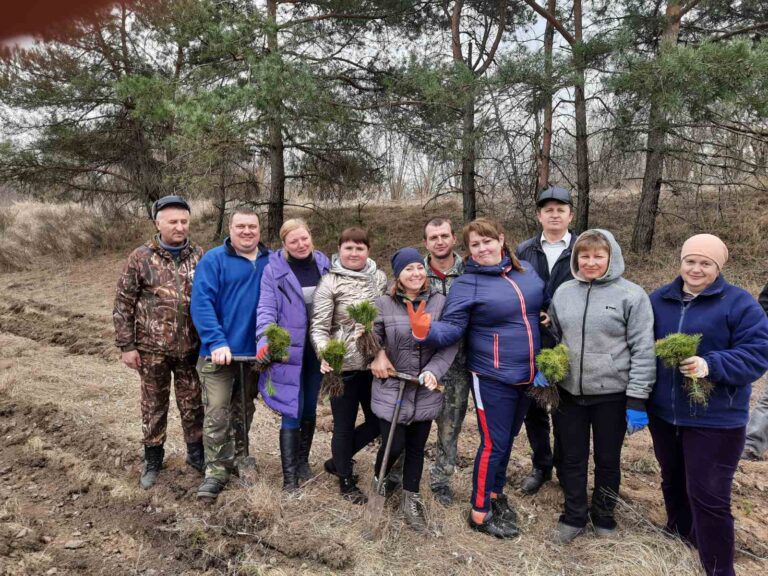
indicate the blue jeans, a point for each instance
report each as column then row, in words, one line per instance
column 308, row 390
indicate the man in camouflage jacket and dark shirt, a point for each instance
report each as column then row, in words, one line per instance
column 443, row 267
column 156, row 336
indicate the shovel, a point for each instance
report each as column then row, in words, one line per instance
column 377, row 499
column 247, row 463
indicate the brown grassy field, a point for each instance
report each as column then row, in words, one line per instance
column 71, row 439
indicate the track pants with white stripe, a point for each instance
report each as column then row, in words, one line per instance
column 501, row 409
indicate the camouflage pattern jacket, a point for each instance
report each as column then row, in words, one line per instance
column 151, row 312
column 442, row 284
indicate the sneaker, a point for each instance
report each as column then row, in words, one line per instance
column 493, row 526
column 535, row 480
column 210, row 488
column 412, row 507
column 565, row 533
column 502, row 509
column 350, row 491
column 443, row 495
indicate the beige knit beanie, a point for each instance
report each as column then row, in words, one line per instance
column 706, row 245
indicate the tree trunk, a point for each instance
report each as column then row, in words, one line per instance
column 468, row 157
column 546, row 139
column 645, row 223
column 582, row 148
column 221, row 206
column 276, row 147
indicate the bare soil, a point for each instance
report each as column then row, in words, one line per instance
column 70, row 458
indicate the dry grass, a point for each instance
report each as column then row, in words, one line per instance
column 317, row 532
column 32, row 233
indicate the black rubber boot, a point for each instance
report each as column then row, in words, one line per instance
column 289, row 455
column 350, row 491
column 303, row 471
column 195, row 456
column 153, row 463
column 531, row 483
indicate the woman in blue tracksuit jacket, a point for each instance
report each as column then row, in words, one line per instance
column 496, row 303
column 698, row 448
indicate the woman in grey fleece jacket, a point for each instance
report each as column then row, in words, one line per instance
column 606, row 322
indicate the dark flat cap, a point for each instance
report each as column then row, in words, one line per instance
column 554, row 193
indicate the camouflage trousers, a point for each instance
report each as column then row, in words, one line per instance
column 223, row 438
column 457, row 384
column 157, row 371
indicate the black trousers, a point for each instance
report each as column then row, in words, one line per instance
column 537, row 430
column 348, row 439
column 412, row 438
column 573, row 423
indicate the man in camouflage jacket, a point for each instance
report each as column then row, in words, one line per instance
column 156, row 336
column 443, row 266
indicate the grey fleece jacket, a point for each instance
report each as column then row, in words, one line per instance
column 607, row 325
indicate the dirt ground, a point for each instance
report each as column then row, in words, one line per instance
column 70, row 458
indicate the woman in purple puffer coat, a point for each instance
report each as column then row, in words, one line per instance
column 287, row 292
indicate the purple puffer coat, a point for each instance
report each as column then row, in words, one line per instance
column 282, row 302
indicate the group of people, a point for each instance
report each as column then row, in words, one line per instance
column 451, row 326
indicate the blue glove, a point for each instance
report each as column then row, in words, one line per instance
column 540, row 381
column 636, row 420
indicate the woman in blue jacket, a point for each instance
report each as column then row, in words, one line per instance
column 497, row 303
column 698, row 448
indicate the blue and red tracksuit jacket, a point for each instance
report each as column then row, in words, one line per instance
column 497, row 308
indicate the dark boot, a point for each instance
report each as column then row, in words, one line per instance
column 153, row 462
column 350, row 491
column 532, row 482
column 303, row 472
column 289, row 454
column 330, row 467
column 210, row 488
column 195, row 457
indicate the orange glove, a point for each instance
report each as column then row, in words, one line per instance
column 420, row 320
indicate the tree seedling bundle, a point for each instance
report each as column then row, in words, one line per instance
column 279, row 341
column 674, row 349
column 333, row 353
column 553, row 363
column 365, row 313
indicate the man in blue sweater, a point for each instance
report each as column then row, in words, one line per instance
column 225, row 296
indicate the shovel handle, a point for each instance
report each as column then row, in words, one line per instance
column 390, row 436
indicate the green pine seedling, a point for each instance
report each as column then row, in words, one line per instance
column 365, row 313
column 333, row 353
column 675, row 348
column 279, row 342
column 553, row 363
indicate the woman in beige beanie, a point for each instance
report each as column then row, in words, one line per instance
column 698, row 447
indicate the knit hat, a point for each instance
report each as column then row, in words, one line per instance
column 706, row 245
column 403, row 257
